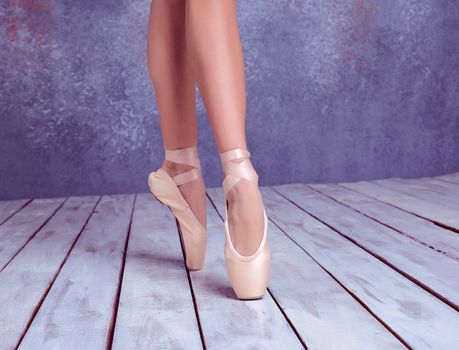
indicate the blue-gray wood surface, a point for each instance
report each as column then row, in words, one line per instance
column 364, row 265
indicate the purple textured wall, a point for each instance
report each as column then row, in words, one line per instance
column 337, row 90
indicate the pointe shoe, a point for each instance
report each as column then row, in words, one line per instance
column 248, row 274
column 165, row 189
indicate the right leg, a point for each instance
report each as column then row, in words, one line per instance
column 174, row 86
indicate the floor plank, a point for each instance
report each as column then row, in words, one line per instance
column 313, row 301
column 433, row 271
column 229, row 323
column 16, row 232
column 8, row 208
column 423, row 321
column 430, row 192
column 26, row 280
column 426, row 209
column 156, row 307
column 447, row 188
column 77, row 311
column 419, row 229
column 454, row 177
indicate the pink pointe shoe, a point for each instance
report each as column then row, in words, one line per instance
column 248, row 274
column 165, row 189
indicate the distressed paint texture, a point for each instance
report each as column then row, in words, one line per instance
column 338, row 90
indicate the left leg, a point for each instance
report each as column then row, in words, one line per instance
column 216, row 54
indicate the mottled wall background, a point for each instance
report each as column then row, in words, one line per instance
column 337, row 90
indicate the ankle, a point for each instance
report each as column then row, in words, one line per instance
column 173, row 168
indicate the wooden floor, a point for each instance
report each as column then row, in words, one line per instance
column 364, row 265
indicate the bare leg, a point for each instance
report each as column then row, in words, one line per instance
column 214, row 45
column 174, row 86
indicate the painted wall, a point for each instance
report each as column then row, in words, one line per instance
column 338, row 90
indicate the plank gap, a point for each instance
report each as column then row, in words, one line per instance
column 190, row 283
column 446, row 227
column 111, row 329
column 288, row 320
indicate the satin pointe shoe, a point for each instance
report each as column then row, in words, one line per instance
column 248, row 274
column 165, row 189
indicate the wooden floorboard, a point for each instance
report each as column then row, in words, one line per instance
column 452, row 178
column 451, row 190
column 363, row 265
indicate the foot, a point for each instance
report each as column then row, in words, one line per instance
column 245, row 217
column 194, row 192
